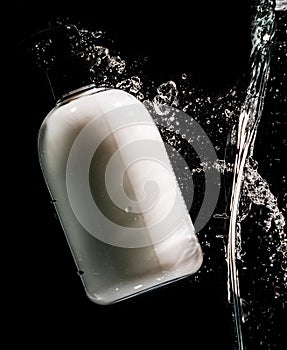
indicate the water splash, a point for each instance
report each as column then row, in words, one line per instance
column 228, row 114
column 257, row 190
column 246, row 179
column 281, row 5
column 263, row 30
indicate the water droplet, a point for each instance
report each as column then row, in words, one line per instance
column 184, row 76
column 116, row 63
column 223, row 216
column 140, row 96
column 227, row 113
column 168, row 92
column 161, row 105
column 128, row 209
column 266, row 37
column 97, row 34
column 245, row 310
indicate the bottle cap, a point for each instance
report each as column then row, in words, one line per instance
column 58, row 51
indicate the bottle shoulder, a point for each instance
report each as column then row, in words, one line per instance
column 104, row 99
column 77, row 111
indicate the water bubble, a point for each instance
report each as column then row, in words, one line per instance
column 227, row 113
column 140, row 96
column 102, row 51
column 43, row 54
column 128, row 209
column 116, row 63
column 258, row 191
column 161, row 104
column 97, row 34
column 168, row 91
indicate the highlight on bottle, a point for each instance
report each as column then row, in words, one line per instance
column 118, row 212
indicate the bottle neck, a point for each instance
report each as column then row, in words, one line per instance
column 82, row 91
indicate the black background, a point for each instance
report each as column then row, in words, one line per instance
column 209, row 40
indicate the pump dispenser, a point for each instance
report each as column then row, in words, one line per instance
column 111, row 182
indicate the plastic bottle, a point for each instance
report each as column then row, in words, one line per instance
column 112, row 185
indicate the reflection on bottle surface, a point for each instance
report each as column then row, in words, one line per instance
column 116, row 195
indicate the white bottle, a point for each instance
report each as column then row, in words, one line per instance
column 115, row 193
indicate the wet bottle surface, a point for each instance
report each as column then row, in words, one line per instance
column 115, row 192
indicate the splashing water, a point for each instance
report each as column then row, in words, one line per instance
column 263, row 30
column 281, row 5
column 234, row 114
column 245, row 177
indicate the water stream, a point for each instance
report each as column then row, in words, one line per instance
column 249, row 118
